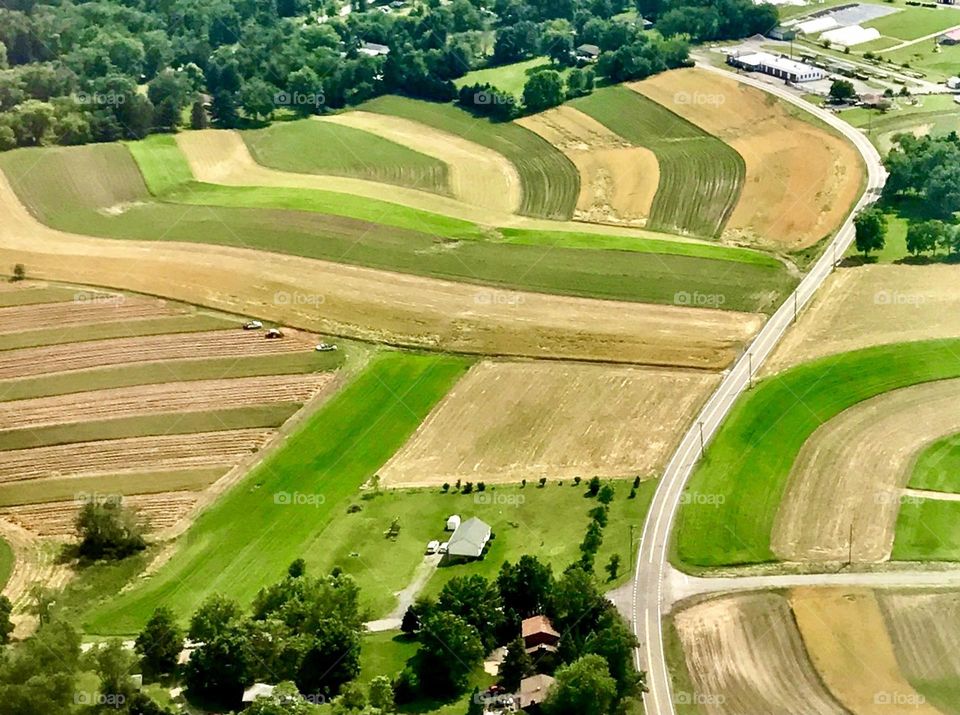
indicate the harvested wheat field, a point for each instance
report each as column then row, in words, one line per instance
column 925, row 628
column 851, row 472
column 377, row 305
column 89, row 307
column 508, row 421
column 165, row 452
column 478, row 176
column 802, row 179
column 617, row 180
column 745, row 657
column 873, row 305
column 35, row 561
column 846, row 638
column 177, row 346
column 169, row 397
column 158, row 511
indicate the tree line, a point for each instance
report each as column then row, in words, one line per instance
column 72, row 73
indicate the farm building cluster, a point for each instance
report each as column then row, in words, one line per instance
column 468, row 541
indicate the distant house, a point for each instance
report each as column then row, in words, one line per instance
column 782, row 33
column 372, row 49
column 257, row 690
column 590, row 53
column 539, row 635
column 470, row 539
column 776, row 66
column 533, row 691
column 950, row 38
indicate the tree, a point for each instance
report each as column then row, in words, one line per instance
column 297, row 568
column 258, row 98
column 114, row 664
column 606, row 494
column 108, row 530
column 580, row 82
column 516, row 665
column 6, row 625
column 19, row 273
column 380, row 694
column 284, row 700
column 871, row 230
column 442, row 635
column 477, row 602
column 842, row 90
column 198, row 116
column 218, row 670
column 613, row 567
column 925, row 236
column 525, row 588
column 411, row 622
column 543, row 90
column 212, row 617
column 615, row 643
column 593, row 487
column 584, row 687
column 159, row 643
column 41, row 601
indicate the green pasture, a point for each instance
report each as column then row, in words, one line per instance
column 510, row 78
column 912, row 22
column 938, row 467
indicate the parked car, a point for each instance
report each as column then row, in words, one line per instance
column 326, row 347
column 252, row 325
column 443, row 547
column 273, row 334
column 433, row 547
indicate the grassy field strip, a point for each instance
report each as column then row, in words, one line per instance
column 937, row 468
column 927, row 530
column 37, row 295
column 744, row 475
column 846, row 636
column 336, row 450
column 150, row 373
column 701, row 178
column 42, row 491
column 311, row 147
column 258, row 416
column 744, row 654
column 915, row 22
column 106, row 331
column 550, row 181
column 847, row 480
column 754, row 286
column 925, row 633
column 79, row 312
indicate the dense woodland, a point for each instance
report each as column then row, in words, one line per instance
column 77, row 72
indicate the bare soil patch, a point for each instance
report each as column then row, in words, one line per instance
column 160, row 398
column 178, row 346
column 802, row 180
column 849, row 475
column 478, row 175
column 846, row 636
column 165, row 452
column 873, row 305
column 745, row 657
column 506, row 421
column 618, row 180
column 34, row 562
column 378, row 305
column 89, row 307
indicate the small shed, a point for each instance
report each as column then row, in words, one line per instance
column 588, row 52
column 257, row 690
column 453, row 522
column 953, row 83
column 374, row 49
column 533, row 691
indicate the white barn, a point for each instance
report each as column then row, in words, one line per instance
column 780, row 67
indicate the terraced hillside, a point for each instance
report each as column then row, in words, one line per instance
column 701, row 178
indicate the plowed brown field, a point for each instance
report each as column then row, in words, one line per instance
column 505, row 422
column 165, row 452
column 107, row 309
column 161, row 398
column 102, row 353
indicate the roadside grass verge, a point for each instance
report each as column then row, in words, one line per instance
column 50, row 185
column 148, row 373
column 42, row 491
column 701, row 177
column 272, row 415
column 311, row 147
column 938, row 466
column 736, row 490
column 199, row 322
column 550, row 181
column 281, row 510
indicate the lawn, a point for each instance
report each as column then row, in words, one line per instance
column 927, row 531
column 936, row 64
column 282, row 509
column 510, row 78
column 741, row 481
column 915, row 22
column 148, row 373
column 272, row 415
column 701, row 177
column 50, row 184
column 550, row 181
column 311, row 147
column 938, row 466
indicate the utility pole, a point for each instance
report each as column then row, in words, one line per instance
column 795, row 306
column 834, row 257
column 750, row 368
column 700, row 425
column 632, row 554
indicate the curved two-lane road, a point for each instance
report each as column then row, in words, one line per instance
column 655, row 541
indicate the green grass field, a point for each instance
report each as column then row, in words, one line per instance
column 282, row 509
column 549, row 522
column 311, row 147
column 927, row 531
column 35, row 296
column 938, row 466
column 272, row 415
column 42, row 491
column 550, row 181
column 6, row 562
column 936, row 64
column 911, row 23
column 701, row 177
column 149, row 373
column 741, row 481
column 510, row 78
column 49, row 183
